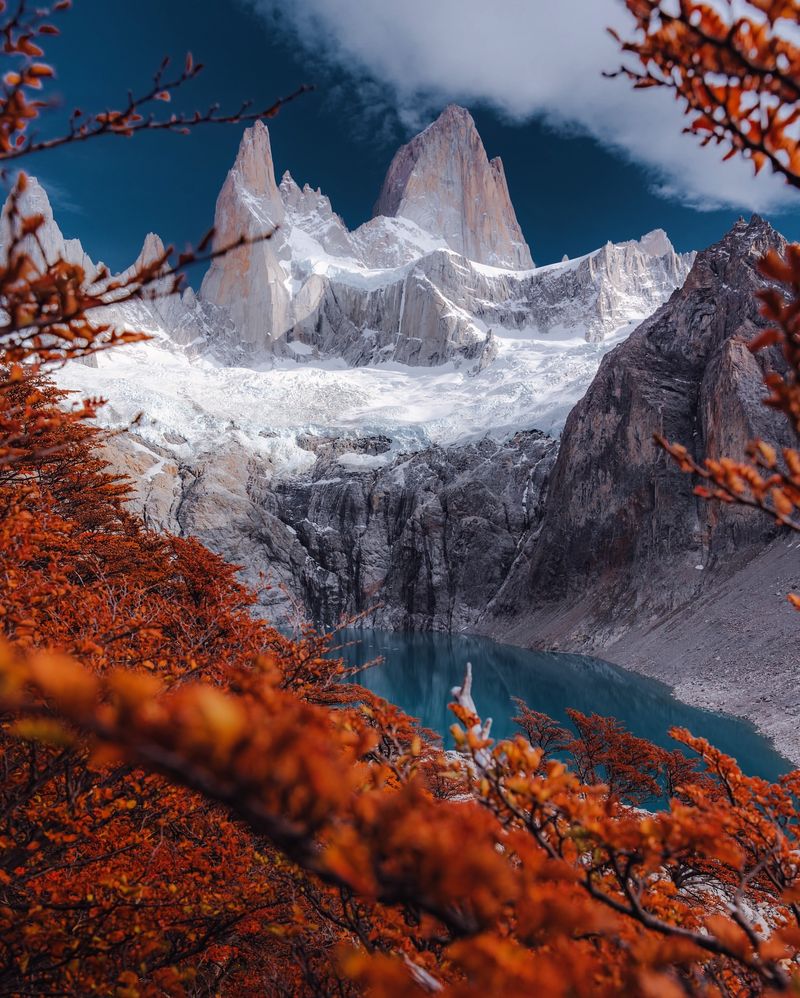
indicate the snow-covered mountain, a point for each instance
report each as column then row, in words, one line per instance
column 440, row 266
column 388, row 329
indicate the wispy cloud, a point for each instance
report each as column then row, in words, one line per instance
column 525, row 58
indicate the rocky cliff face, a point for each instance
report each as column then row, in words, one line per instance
column 623, row 540
column 423, row 540
column 444, row 181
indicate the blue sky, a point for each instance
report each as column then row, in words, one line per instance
column 586, row 159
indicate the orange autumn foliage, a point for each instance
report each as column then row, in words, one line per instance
column 193, row 804
column 109, row 874
column 734, row 65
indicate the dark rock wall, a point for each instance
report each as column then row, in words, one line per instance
column 621, row 523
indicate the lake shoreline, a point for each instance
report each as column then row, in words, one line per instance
column 734, row 650
column 419, row 668
column 721, row 696
column 715, row 697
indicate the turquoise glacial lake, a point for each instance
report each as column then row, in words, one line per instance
column 419, row 670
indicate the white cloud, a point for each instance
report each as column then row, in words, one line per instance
column 525, row 58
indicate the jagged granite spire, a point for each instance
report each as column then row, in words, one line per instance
column 253, row 170
column 443, row 180
column 49, row 238
column 250, row 282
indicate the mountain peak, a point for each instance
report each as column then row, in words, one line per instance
column 49, row 244
column 152, row 249
column 249, row 203
column 743, row 233
column 733, row 260
column 249, row 280
column 253, row 165
column 454, row 116
column 34, row 199
column 656, row 243
column 443, row 180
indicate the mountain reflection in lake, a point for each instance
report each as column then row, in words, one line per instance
column 419, row 671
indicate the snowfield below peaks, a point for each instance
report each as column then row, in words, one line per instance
column 192, row 406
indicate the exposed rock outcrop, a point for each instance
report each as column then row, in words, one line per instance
column 443, row 180
column 423, row 539
column 624, row 541
column 250, row 282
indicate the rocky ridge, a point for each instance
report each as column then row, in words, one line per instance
column 391, row 291
column 424, row 282
column 626, row 563
column 620, row 518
